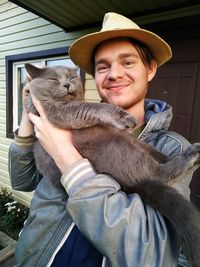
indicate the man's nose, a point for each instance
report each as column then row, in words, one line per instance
column 115, row 71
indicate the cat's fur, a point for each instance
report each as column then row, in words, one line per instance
column 99, row 133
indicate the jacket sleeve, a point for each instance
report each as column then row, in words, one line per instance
column 122, row 227
column 23, row 173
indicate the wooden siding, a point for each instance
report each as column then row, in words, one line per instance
column 91, row 91
column 23, row 32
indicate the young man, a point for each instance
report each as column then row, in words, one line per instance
column 123, row 59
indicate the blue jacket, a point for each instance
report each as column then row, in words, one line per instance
column 126, row 231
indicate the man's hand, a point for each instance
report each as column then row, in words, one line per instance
column 25, row 127
column 57, row 142
column 26, row 92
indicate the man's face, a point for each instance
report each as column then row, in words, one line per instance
column 120, row 75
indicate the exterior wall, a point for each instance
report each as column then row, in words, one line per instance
column 23, row 32
column 90, row 89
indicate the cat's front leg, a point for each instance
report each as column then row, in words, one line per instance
column 77, row 115
column 116, row 116
column 108, row 114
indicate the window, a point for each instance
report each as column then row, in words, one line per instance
column 16, row 75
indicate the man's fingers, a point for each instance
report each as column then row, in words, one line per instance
column 38, row 106
column 33, row 118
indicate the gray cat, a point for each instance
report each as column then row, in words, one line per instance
column 101, row 133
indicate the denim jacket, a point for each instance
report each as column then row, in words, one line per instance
column 125, row 230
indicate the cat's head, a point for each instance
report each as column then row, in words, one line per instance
column 58, row 83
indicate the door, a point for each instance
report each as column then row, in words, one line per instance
column 178, row 83
column 175, row 84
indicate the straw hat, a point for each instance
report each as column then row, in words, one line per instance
column 116, row 25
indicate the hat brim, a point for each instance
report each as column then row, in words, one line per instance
column 81, row 51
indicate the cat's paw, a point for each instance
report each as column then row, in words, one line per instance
column 193, row 154
column 127, row 120
column 33, row 110
column 124, row 121
column 30, row 107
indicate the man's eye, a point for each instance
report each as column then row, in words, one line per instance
column 101, row 68
column 128, row 63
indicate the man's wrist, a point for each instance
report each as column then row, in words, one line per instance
column 26, row 126
column 65, row 159
column 24, row 141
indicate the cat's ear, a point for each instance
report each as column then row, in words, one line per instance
column 34, row 71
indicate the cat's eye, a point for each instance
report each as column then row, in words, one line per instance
column 53, row 79
column 73, row 78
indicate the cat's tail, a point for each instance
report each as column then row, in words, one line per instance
column 180, row 212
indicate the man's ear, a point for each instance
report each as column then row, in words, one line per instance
column 152, row 70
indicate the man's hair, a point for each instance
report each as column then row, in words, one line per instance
column 143, row 51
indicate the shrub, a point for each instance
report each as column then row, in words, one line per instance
column 5, row 197
column 1, row 245
column 13, row 214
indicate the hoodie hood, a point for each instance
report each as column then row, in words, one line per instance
column 158, row 116
column 158, row 113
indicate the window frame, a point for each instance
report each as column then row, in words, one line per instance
column 10, row 60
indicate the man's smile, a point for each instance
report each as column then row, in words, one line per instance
column 116, row 87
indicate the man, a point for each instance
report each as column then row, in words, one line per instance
column 123, row 58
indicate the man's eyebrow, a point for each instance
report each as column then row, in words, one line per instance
column 121, row 56
column 101, row 61
column 125, row 55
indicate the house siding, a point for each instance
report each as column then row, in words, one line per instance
column 24, row 32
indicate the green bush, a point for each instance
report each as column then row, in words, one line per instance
column 1, row 245
column 12, row 214
column 5, row 197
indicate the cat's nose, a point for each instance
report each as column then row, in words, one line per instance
column 67, row 85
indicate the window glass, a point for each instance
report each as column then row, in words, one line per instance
column 56, row 62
